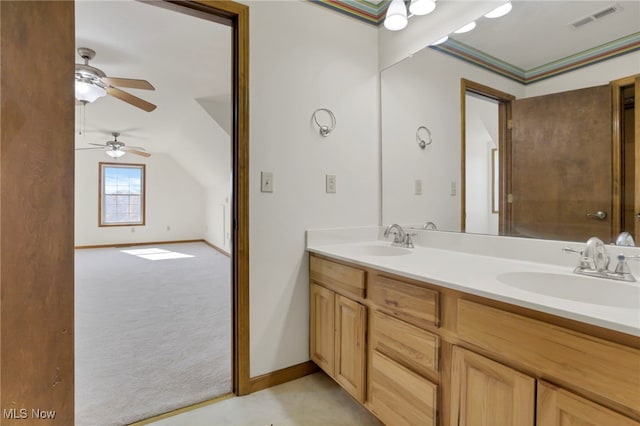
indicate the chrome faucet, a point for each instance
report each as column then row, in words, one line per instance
column 594, row 262
column 430, row 226
column 400, row 237
column 625, row 239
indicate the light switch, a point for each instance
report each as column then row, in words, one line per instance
column 418, row 187
column 453, row 188
column 266, row 181
column 331, row 184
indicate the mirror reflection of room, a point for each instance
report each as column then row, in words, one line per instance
column 566, row 176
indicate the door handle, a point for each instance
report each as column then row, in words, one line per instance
column 600, row 215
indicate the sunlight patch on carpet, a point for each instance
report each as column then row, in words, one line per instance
column 156, row 254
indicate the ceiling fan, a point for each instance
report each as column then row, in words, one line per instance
column 91, row 83
column 117, row 149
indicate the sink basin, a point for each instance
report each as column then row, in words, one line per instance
column 596, row 291
column 378, row 250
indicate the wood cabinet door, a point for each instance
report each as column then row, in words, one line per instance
column 558, row 407
column 321, row 328
column 487, row 393
column 350, row 347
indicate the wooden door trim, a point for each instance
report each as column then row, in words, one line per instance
column 504, row 144
column 617, row 210
column 236, row 16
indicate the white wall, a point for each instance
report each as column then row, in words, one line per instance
column 174, row 200
column 218, row 215
column 304, row 57
column 425, row 90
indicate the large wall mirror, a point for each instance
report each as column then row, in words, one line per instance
column 495, row 101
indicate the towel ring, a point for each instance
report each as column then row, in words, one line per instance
column 325, row 130
column 422, row 143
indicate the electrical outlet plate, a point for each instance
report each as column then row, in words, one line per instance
column 331, row 184
column 266, row 181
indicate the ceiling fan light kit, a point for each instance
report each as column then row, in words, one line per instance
column 87, row 92
column 92, row 83
column 116, row 149
column 114, row 152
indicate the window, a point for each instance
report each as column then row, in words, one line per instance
column 122, row 189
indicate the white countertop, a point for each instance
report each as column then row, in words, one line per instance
column 544, row 287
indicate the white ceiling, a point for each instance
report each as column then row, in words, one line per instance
column 535, row 33
column 186, row 59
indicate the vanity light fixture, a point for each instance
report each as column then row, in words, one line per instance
column 440, row 41
column 499, row 11
column 397, row 16
column 465, row 29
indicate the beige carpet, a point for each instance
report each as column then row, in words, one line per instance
column 151, row 335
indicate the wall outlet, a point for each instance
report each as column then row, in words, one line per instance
column 266, row 181
column 453, row 189
column 331, row 184
column 417, row 187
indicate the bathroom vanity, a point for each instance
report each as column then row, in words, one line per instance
column 435, row 337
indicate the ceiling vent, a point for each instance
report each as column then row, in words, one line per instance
column 596, row 15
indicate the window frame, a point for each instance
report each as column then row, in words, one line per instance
column 143, row 193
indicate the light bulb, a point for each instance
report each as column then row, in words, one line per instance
column 499, row 11
column 396, row 16
column 471, row 25
column 440, row 41
column 422, row 7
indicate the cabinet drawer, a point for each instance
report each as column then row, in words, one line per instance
column 597, row 367
column 341, row 278
column 411, row 303
column 404, row 343
column 399, row 396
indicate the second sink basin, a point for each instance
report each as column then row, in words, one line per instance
column 596, row 291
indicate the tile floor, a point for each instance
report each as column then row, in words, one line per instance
column 313, row 400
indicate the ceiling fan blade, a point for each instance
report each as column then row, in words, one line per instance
column 97, row 144
column 128, row 82
column 129, row 98
column 80, row 149
column 136, row 152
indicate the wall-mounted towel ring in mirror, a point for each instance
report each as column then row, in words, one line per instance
column 325, row 130
column 422, row 142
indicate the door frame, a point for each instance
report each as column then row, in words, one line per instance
column 617, row 209
column 504, row 150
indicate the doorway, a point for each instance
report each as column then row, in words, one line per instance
column 486, row 139
column 230, row 208
column 626, row 131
